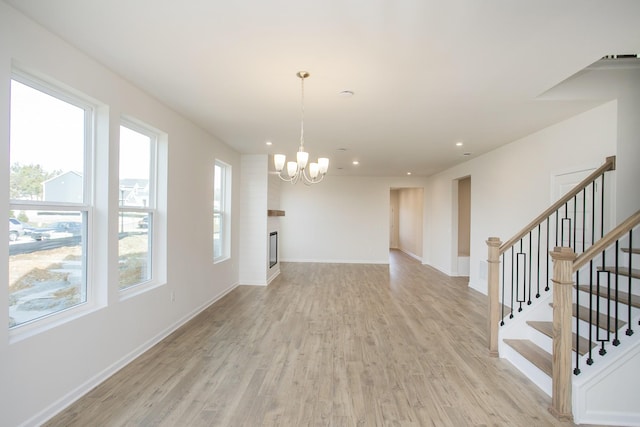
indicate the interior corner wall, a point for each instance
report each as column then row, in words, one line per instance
column 42, row 373
column 512, row 185
column 343, row 219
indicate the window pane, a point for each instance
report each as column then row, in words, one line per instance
column 47, row 147
column 221, row 203
column 217, row 209
column 47, row 268
column 135, row 159
column 134, row 248
column 137, row 150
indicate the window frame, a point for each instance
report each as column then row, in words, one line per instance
column 224, row 212
column 86, row 207
column 151, row 210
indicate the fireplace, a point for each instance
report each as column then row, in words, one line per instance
column 273, row 248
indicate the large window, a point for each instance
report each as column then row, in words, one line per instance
column 221, row 211
column 50, row 200
column 137, row 203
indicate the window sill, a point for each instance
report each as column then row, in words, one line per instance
column 51, row 321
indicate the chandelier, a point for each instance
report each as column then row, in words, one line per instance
column 298, row 171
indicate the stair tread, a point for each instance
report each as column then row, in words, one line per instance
column 547, row 329
column 584, row 315
column 632, row 250
column 534, row 354
column 623, row 271
column 623, row 297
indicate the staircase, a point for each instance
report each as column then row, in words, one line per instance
column 596, row 349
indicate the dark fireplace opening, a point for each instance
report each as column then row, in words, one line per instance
column 273, row 248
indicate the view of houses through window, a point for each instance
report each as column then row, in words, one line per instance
column 137, row 204
column 50, row 138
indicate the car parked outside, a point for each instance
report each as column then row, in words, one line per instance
column 56, row 230
column 16, row 229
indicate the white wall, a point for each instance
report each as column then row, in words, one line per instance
column 273, row 222
column 253, row 220
column 619, row 80
column 394, row 219
column 512, row 185
column 342, row 219
column 41, row 374
column 411, row 221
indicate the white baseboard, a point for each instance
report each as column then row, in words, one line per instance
column 411, row 254
column 338, row 261
column 66, row 400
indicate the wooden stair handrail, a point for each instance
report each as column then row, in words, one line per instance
column 609, row 165
column 607, row 241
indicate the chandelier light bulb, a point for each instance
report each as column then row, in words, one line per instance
column 279, row 161
column 302, row 157
column 292, row 169
column 313, row 170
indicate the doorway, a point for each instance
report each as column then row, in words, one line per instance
column 406, row 220
column 462, row 220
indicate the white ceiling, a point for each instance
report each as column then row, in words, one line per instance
column 426, row 74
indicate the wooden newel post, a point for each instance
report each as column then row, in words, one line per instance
column 562, row 334
column 493, row 285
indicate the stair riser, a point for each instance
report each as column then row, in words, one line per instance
column 541, row 340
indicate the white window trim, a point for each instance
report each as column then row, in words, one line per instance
column 51, row 320
column 225, row 206
column 156, row 231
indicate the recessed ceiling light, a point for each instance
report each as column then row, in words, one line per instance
column 355, row 162
column 269, row 143
column 408, row 173
column 346, row 93
column 459, row 144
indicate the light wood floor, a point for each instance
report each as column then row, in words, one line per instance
column 325, row 344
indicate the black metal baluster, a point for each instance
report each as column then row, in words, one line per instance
column 602, row 211
column 503, row 286
column 557, row 219
column 512, row 304
column 584, row 218
column 629, row 331
column 538, row 261
column 590, row 358
column 575, row 221
column 616, row 341
column 546, row 286
column 576, row 370
column 520, row 255
column 566, row 223
column 602, row 341
column 563, row 223
column 593, row 213
column 530, row 251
